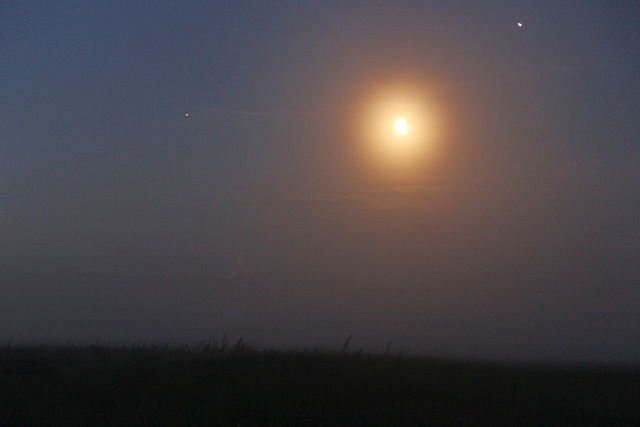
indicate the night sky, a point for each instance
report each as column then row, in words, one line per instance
column 176, row 171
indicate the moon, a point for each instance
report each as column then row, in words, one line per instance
column 401, row 127
column 397, row 129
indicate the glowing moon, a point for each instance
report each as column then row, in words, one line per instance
column 397, row 129
column 401, row 127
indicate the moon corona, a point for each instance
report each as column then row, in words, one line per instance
column 397, row 129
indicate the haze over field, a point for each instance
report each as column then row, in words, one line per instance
column 174, row 172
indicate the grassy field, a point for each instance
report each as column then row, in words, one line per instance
column 234, row 385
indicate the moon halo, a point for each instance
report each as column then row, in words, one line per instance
column 396, row 129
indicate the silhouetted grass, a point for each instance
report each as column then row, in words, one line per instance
column 234, row 385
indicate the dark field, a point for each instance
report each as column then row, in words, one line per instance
column 235, row 385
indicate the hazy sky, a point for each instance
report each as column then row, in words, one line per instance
column 174, row 171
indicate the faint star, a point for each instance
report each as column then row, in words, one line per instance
column 519, row 24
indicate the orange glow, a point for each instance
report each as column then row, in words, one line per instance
column 397, row 129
